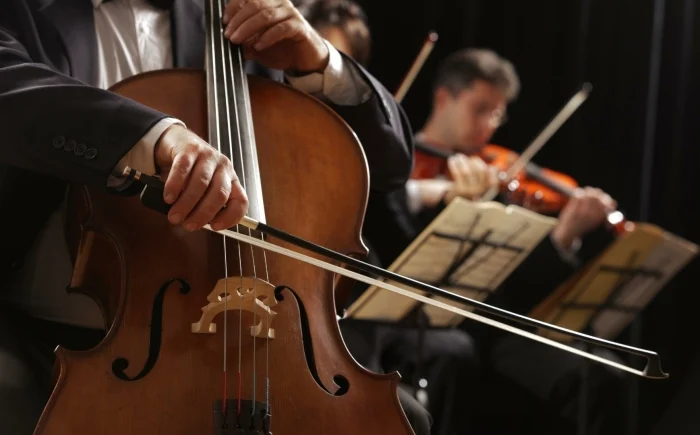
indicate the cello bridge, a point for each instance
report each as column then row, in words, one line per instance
column 240, row 294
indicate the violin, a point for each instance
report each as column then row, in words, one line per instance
column 232, row 332
column 541, row 190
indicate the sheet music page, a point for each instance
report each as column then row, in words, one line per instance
column 469, row 249
column 669, row 257
column 619, row 283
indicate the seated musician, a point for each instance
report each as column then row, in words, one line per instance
column 471, row 93
column 60, row 124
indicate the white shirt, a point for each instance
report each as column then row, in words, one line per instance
column 134, row 37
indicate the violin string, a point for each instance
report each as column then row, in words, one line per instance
column 251, row 140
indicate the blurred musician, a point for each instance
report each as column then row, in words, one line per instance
column 343, row 23
column 470, row 97
column 471, row 93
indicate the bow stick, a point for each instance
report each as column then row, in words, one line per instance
column 537, row 144
column 154, row 199
column 416, row 67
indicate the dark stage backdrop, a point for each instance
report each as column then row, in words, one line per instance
column 636, row 136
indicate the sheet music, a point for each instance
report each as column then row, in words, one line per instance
column 618, row 284
column 469, row 249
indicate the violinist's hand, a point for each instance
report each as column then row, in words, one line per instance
column 585, row 211
column 472, row 177
column 274, row 33
column 199, row 182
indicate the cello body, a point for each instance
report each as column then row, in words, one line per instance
column 177, row 312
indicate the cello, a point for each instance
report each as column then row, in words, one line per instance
column 200, row 340
column 186, row 312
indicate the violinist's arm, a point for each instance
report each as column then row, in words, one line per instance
column 41, row 108
column 472, row 178
column 428, row 193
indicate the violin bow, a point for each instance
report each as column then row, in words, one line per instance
column 152, row 197
column 418, row 63
column 536, row 145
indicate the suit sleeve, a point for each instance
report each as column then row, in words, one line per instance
column 389, row 227
column 56, row 125
column 385, row 133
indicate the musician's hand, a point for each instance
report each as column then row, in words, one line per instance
column 472, row 177
column 586, row 211
column 274, row 33
column 199, row 182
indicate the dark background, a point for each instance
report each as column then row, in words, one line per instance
column 636, row 136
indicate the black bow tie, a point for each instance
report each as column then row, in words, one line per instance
column 162, row 4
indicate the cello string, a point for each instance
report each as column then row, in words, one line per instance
column 216, row 131
column 226, row 48
column 255, row 168
column 239, row 54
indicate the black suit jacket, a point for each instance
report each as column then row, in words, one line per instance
column 48, row 66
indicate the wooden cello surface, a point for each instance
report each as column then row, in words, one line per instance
column 160, row 369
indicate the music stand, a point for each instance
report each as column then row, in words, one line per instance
column 469, row 249
column 605, row 296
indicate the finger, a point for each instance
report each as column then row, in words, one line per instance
column 214, row 199
column 481, row 170
column 197, row 184
column 236, row 208
column 469, row 170
column 593, row 192
column 493, row 177
column 287, row 29
column 260, row 22
column 178, row 175
column 241, row 10
column 452, row 167
column 462, row 167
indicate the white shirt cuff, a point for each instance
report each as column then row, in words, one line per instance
column 141, row 156
column 341, row 82
column 569, row 255
column 415, row 204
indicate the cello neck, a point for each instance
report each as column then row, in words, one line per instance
column 228, row 102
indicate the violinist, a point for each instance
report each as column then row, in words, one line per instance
column 60, row 124
column 471, row 92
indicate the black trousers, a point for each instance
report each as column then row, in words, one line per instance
column 27, row 358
